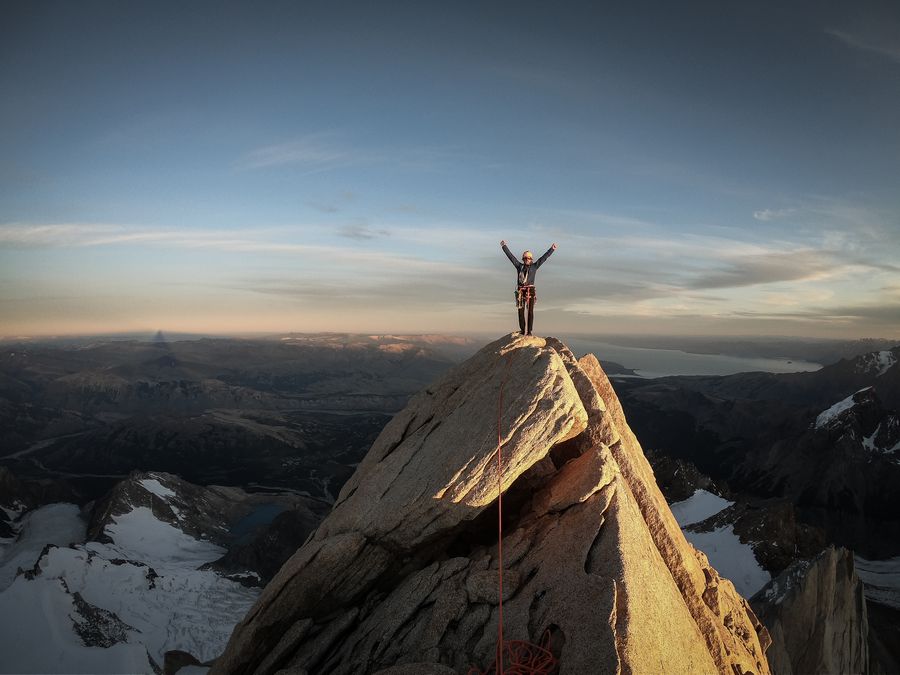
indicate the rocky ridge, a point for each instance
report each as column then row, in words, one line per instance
column 816, row 614
column 402, row 573
column 847, row 460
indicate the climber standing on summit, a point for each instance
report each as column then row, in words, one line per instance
column 526, row 295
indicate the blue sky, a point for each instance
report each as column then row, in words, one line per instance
column 216, row 167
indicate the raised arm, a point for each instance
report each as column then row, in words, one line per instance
column 509, row 255
column 543, row 258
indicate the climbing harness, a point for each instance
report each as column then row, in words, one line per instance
column 522, row 657
column 524, row 294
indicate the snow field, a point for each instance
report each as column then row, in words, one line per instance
column 732, row 559
column 699, row 506
column 157, row 488
column 139, row 535
column 58, row 524
column 171, row 606
column 37, row 635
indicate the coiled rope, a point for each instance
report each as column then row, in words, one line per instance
column 522, row 657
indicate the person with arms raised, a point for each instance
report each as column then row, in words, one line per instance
column 526, row 294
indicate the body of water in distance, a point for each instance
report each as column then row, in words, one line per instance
column 663, row 362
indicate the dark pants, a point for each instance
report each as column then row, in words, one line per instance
column 527, row 305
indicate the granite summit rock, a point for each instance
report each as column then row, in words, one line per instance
column 401, row 576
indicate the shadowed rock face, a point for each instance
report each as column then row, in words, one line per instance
column 816, row 614
column 402, row 575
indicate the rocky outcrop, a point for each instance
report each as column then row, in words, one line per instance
column 816, row 615
column 884, row 638
column 402, row 575
column 679, row 479
column 97, row 627
column 256, row 528
column 270, row 547
column 21, row 494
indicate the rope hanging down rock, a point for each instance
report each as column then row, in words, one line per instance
column 521, row 657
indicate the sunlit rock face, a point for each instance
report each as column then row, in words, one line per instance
column 403, row 572
column 816, row 614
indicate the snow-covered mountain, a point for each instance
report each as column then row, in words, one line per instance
column 114, row 590
column 846, row 460
column 828, row 441
column 861, row 417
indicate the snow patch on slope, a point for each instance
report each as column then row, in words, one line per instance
column 157, row 488
column 876, row 362
column 869, row 441
column 38, row 637
column 699, row 506
column 732, row 559
column 153, row 486
column 828, row 416
column 58, row 524
column 139, row 535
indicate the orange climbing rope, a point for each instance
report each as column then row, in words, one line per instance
column 524, row 658
column 499, row 661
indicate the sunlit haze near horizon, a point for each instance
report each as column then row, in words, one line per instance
column 705, row 168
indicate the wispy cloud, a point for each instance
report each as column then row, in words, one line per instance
column 632, row 268
column 57, row 234
column 247, row 240
column 882, row 43
column 361, row 230
column 363, row 292
column 766, row 215
column 872, row 314
column 613, row 221
column 325, row 151
column 770, row 268
column 106, row 234
column 669, row 265
column 315, row 151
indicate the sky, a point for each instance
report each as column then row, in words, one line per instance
column 711, row 168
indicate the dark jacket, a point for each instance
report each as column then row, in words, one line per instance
column 526, row 272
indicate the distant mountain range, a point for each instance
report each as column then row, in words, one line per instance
column 828, row 440
column 297, row 411
column 824, row 351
